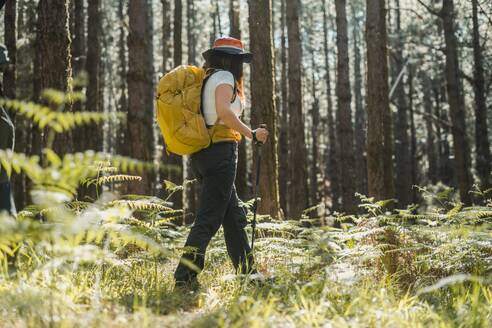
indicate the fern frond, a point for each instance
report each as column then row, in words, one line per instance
column 114, row 179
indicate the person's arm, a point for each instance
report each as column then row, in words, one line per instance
column 223, row 96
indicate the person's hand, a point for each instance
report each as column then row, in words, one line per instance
column 261, row 135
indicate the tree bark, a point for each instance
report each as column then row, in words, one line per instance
column 345, row 134
column 298, row 190
column 483, row 163
column 54, row 67
column 314, row 186
column 379, row 131
column 93, row 135
column 263, row 103
column 140, row 87
column 122, row 70
column 332, row 167
column 360, row 115
column 403, row 160
column 166, row 35
column 432, row 172
column 456, row 104
column 242, row 169
column 283, row 153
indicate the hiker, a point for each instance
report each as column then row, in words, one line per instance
column 215, row 166
column 6, row 142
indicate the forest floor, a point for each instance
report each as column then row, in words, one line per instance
column 96, row 266
column 398, row 270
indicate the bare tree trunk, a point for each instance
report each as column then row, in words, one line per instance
column 78, row 64
column 456, row 104
column 332, row 167
column 360, row 115
column 262, row 101
column 283, row 153
column 345, row 134
column 94, row 135
column 484, row 158
column 403, row 175
column 431, row 134
column 379, row 134
column 298, row 190
column 166, row 35
column 123, row 99
column 54, row 66
column 242, row 169
column 414, row 167
column 140, row 100
column 314, row 136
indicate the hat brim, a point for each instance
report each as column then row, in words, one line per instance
column 246, row 56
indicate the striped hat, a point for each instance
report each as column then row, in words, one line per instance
column 230, row 46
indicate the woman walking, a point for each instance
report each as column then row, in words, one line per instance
column 215, row 166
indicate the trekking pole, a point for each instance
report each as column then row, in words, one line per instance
column 255, row 192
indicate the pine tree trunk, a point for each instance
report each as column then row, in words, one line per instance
column 431, row 134
column 262, row 102
column 483, row 163
column 345, row 134
column 456, row 104
column 332, row 167
column 414, row 161
column 93, row 134
column 122, row 72
column 313, row 179
column 283, row 154
column 403, row 160
column 140, row 87
column 360, row 115
column 298, row 190
column 242, row 168
column 166, row 35
column 379, row 143
column 78, row 64
column 54, row 66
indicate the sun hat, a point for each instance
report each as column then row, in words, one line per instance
column 230, row 46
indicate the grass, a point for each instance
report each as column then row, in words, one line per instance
column 378, row 273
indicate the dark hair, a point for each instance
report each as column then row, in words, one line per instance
column 226, row 62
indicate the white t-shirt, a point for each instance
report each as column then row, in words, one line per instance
column 209, row 110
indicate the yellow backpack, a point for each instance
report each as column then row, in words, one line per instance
column 179, row 111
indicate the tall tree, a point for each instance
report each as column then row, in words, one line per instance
column 54, row 67
column 122, row 72
column 94, row 138
column 10, row 27
column 345, row 134
column 403, row 160
column 262, row 101
column 242, row 169
column 283, row 145
column 360, row 115
column 313, row 179
column 298, row 192
column 430, row 129
column 78, row 63
column 140, row 98
column 166, row 35
column 456, row 103
column 484, row 158
column 332, row 167
column 379, row 130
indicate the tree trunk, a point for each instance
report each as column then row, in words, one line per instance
column 360, row 115
column 123, row 96
column 298, row 190
column 54, row 67
column 484, row 159
column 140, row 88
column 379, row 143
column 431, row 134
column 93, row 135
column 332, row 167
column 78, row 65
column 242, row 169
column 166, row 35
column 456, row 104
column 314, row 136
column 414, row 166
column 283, row 153
column 262, row 102
column 403, row 160
column 345, row 134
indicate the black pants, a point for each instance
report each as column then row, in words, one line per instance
column 215, row 168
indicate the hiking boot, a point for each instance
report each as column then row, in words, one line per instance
column 187, row 286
